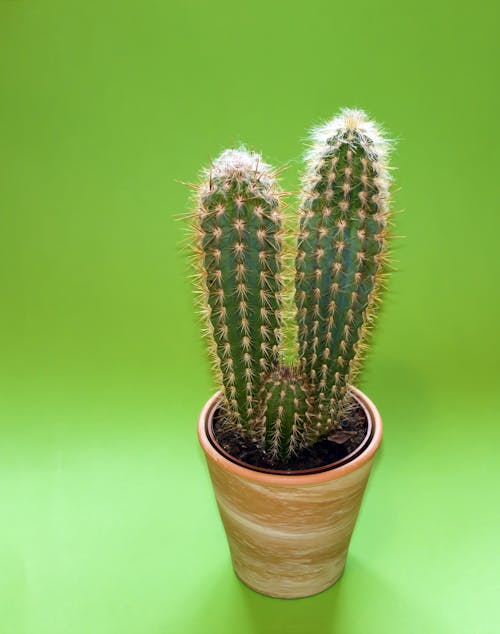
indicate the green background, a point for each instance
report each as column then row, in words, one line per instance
column 107, row 519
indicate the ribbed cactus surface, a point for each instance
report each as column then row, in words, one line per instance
column 341, row 251
column 340, row 257
column 284, row 414
column 240, row 243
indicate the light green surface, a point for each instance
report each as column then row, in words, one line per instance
column 108, row 525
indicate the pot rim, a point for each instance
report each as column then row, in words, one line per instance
column 279, row 478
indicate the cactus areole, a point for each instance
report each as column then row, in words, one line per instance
column 253, row 289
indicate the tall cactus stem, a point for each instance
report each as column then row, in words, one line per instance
column 341, row 254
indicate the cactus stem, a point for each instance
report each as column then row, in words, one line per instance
column 340, row 261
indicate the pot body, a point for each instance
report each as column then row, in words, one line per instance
column 289, row 534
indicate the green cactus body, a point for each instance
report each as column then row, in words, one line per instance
column 341, row 251
column 239, row 231
column 339, row 263
column 285, row 415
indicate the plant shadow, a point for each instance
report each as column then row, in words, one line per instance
column 361, row 601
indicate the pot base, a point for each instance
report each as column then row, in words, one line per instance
column 274, row 595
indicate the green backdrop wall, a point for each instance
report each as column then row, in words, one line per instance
column 108, row 524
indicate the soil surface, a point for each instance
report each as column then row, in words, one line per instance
column 348, row 436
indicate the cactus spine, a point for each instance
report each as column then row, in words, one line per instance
column 340, row 255
column 339, row 263
column 239, row 237
column 285, row 414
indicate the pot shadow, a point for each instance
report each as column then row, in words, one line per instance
column 361, row 601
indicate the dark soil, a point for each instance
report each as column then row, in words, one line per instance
column 349, row 435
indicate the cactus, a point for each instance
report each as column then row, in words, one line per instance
column 339, row 263
column 340, row 256
column 239, row 240
column 285, row 413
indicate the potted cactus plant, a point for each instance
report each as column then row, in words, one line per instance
column 288, row 439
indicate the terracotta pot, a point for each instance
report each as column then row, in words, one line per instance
column 289, row 534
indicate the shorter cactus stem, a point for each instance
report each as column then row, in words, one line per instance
column 284, row 414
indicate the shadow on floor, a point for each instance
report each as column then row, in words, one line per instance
column 361, row 601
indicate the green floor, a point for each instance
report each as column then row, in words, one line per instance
column 107, row 519
column 113, row 528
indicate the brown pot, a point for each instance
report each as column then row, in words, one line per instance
column 289, row 534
